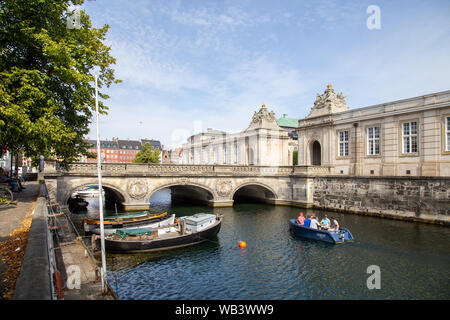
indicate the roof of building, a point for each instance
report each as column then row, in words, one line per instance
column 153, row 143
column 176, row 151
column 129, row 144
column 285, row 121
column 214, row 131
column 104, row 144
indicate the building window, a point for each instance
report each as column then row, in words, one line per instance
column 373, row 141
column 409, row 130
column 343, row 143
column 236, row 153
column 447, row 133
column 225, row 153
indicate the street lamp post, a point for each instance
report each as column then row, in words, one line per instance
column 100, row 190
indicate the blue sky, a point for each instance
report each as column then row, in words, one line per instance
column 191, row 65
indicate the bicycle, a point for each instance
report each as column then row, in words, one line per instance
column 6, row 195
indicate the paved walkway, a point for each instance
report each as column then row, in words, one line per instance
column 69, row 251
column 11, row 217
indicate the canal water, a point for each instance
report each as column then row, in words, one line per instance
column 413, row 259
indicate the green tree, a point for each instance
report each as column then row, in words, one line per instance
column 295, row 157
column 47, row 94
column 147, row 154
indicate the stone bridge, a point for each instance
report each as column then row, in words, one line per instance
column 215, row 185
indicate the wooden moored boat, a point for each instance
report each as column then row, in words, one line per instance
column 188, row 231
column 135, row 220
column 341, row 236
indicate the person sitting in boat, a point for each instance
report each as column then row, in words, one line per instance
column 314, row 223
column 335, row 225
column 307, row 221
column 325, row 223
column 301, row 219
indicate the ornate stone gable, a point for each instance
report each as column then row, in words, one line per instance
column 263, row 119
column 327, row 103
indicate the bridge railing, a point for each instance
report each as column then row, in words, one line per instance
column 186, row 169
column 313, row 170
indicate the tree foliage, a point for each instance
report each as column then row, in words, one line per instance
column 148, row 154
column 295, row 157
column 47, row 94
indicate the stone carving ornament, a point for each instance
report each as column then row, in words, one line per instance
column 263, row 114
column 264, row 119
column 137, row 189
column 223, row 188
column 329, row 101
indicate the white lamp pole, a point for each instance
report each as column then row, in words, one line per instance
column 100, row 190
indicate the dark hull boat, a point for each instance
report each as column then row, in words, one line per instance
column 175, row 236
column 341, row 236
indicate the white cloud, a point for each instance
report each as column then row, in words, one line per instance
column 216, row 64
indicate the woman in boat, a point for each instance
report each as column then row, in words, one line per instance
column 301, row 219
column 334, row 226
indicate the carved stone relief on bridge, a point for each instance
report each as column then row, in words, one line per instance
column 224, row 187
column 137, row 189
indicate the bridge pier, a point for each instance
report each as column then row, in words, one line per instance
column 136, row 206
column 221, row 203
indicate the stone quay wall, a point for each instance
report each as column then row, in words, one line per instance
column 424, row 199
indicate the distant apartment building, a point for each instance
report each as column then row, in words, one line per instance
column 154, row 143
column 172, row 156
column 128, row 150
column 109, row 151
column 165, row 157
column 118, row 150
column 176, row 155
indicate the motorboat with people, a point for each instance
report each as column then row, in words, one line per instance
column 340, row 236
column 186, row 231
column 136, row 220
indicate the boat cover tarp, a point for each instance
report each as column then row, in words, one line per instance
column 133, row 232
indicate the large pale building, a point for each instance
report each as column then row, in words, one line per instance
column 409, row 137
column 264, row 142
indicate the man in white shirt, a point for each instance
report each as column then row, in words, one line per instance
column 314, row 222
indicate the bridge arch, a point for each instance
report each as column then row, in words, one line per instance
column 254, row 191
column 191, row 192
column 118, row 194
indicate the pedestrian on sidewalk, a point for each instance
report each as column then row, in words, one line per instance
column 15, row 183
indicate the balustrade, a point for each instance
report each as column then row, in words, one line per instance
column 188, row 169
